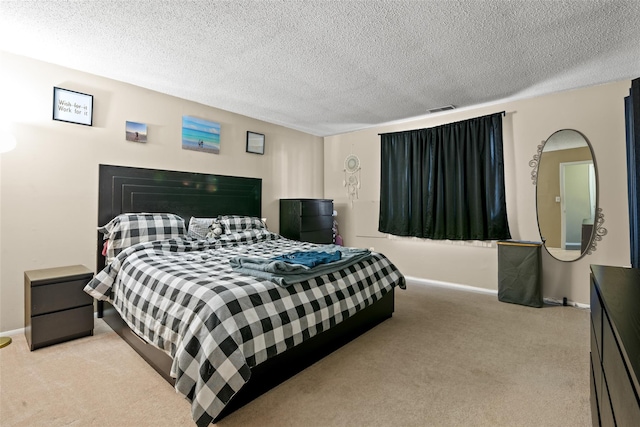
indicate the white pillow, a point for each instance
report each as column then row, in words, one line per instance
column 204, row 228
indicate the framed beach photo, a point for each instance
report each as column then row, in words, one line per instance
column 200, row 135
column 255, row 143
column 136, row 132
column 72, row 107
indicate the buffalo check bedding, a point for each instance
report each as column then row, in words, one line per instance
column 182, row 296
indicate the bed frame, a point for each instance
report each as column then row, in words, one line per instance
column 126, row 189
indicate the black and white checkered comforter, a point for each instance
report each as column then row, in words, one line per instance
column 182, row 296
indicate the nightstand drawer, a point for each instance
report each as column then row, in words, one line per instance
column 59, row 296
column 61, row 326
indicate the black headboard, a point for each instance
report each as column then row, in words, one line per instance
column 125, row 189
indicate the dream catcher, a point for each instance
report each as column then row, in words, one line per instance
column 352, row 176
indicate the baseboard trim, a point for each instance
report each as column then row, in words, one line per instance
column 438, row 283
column 555, row 301
column 468, row 288
column 13, row 332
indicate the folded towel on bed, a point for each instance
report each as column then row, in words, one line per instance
column 309, row 258
column 285, row 273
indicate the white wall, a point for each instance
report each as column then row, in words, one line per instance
column 597, row 112
column 49, row 183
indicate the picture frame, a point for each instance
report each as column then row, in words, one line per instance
column 200, row 135
column 255, row 143
column 72, row 107
column 135, row 132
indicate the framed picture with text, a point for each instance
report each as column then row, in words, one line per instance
column 72, row 107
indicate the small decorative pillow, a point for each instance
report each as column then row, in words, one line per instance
column 129, row 229
column 204, row 228
column 235, row 223
column 215, row 232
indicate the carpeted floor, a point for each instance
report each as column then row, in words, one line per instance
column 446, row 358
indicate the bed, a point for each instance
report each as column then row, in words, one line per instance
column 250, row 367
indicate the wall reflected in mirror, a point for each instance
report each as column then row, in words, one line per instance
column 566, row 195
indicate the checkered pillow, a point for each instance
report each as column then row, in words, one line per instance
column 234, row 223
column 128, row 229
column 202, row 228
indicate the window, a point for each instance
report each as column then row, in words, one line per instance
column 445, row 182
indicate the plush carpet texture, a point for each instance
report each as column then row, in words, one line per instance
column 446, row 358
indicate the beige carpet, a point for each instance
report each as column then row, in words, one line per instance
column 446, row 358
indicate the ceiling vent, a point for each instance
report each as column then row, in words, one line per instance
column 439, row 109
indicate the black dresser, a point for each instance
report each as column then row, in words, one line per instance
column 307, row 220
column 615, row 346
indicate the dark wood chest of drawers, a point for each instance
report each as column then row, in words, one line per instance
column 615, row 346
column 56, row 308
column 307, row 220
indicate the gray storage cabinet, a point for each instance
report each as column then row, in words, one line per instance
column 520, row 273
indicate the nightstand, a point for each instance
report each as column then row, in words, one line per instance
column 56, row 309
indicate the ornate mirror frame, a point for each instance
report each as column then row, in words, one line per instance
column 566, row 139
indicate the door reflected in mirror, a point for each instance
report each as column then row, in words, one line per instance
column 566, row 195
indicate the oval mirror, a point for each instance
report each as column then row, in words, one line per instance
column 566, row 195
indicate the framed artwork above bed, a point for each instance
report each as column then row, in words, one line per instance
column 200, row 135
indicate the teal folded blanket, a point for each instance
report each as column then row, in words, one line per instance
column 286, row 273
column 309, row 258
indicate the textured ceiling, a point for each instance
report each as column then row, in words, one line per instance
column 328, row 67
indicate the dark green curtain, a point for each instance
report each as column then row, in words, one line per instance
column 632, row 113
column 445, row 182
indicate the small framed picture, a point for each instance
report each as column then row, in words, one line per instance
column 136, row 132
column 255, row 143
column 72, row 107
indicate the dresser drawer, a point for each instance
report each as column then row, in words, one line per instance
column 606, row 413
column 319, row 236
column 623, row 398
column 59, row 296
column 313, row 223
column 597, row 367
column 56, row 327
column 316, row 207
column 595, row 412
column 596, row 317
